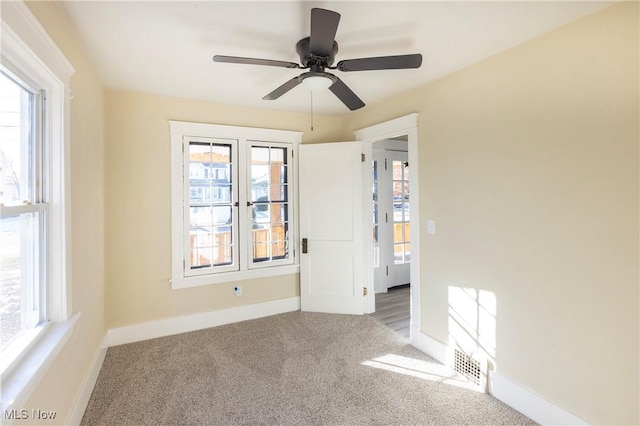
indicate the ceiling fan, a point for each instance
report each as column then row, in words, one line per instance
column 317, row 53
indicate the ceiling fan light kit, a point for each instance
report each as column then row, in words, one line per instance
column 316, row 82
column 317, row 53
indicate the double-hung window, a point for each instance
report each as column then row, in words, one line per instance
column 23, row 225
column 233, row 214
column 35, row 301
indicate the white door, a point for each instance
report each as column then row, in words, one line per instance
column 332, row 227
column 392, row 219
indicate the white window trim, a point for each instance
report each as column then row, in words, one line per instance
column 28, row 46
column 245, row 135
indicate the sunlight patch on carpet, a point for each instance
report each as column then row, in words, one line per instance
column 420, row 369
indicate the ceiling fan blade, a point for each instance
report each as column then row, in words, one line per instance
column 282, row 89
column 381, row 63
column 324, row 25
column 346, row 95
column 254, row 61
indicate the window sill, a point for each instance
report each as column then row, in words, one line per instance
column 227, row 277
column 21, row 381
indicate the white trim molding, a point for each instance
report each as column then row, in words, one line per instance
column 80, row 406
column 170, row 326
column 20, row 383
column 389, row 129
column 530, row 403
column 429, row 346
column 405, row 125
column 18, row 23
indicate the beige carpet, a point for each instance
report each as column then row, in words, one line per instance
column 294, row 368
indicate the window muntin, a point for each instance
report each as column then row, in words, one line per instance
column 401, row 213
column 375, row 211
column 270, row 203
column 23, row 222
column 211, row 198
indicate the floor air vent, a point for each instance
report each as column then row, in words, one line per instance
column 468, row 367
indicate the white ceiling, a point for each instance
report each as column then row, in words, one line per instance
column 166, row 47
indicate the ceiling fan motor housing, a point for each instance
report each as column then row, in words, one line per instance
column 309, row 60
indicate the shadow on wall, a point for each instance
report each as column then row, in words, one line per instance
column 472, row 329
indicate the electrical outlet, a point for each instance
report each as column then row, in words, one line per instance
column 238, row 290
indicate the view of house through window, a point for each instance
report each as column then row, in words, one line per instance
column 269, row 203
column 211, row 201
column 401, row 212
column 23, row 211
column 218, row 229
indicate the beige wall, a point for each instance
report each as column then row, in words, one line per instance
column 61, row 385
column 139, row 206
column 529, row 166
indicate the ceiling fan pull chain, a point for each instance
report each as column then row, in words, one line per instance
column 312, row 110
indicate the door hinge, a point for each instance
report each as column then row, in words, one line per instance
column 364, row 291
column 385, row 164
column 387, row 271
column 362, row 157
column 386, row 218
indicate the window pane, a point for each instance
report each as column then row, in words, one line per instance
column 407, row 211
column 211, row 205
column 210, row 246
column 278, row 174
column 22, row 237
column 259, row 175
column 270, row 211
column 397, row 233
column 17, row 150
column 397, row 170
column 278, row 155
column 207, row 216
column 260, row 214
column 376, row 244
column 20, row 293
column 398, row 252
column 259, row 155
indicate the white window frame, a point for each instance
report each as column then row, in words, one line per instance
column 181, row 133
column 28, row 49
column 235, row 266
column 292, row 205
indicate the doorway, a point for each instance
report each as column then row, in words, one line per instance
column 391, row 214
column 392, row 231
column 402, row 131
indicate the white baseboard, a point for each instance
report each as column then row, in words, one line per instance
column 177, row 325
column 516, row 396
column 87, row 387
column 530, row 403
column 429, row 345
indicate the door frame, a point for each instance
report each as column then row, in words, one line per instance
column 405, row 125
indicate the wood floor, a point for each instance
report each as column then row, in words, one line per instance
column 392, row 309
